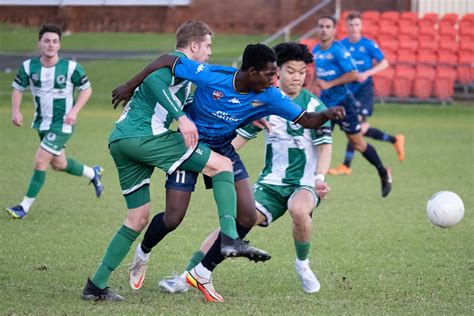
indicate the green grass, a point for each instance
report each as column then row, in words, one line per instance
column 372, row 255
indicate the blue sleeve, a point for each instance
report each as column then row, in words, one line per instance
column 198, row 73
column 281, row 105
column 375, row 51
column 345, row 60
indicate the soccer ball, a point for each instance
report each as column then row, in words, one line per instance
column 445, row 209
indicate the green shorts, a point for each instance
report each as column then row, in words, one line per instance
column 272, row 200
column 136, row 158
column 53, row 141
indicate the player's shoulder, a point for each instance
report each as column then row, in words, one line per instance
column 367, row 41
column 313, row 102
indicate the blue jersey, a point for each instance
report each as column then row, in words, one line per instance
column 218, row 109
column 332, row 63
column 363, row 52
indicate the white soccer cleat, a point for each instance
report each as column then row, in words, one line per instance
column 136, row 273
column 308, row 279
column 174, row 284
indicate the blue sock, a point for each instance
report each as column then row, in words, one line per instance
column 379, row 135
column 349, row 155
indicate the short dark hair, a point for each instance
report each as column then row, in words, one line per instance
column 257, row 56
column 191, row 31
column 49, row 28
column 353, row 15
column 330, row 17
column 291, row 51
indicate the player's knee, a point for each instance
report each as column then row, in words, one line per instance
column 172, row 221
column 221, row 164
column 247, row 218
column 58, row 166
column 300, row 214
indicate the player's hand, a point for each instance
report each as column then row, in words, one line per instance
column 17, row 119
column 262, row 124
column 335, row 113
column 122, row 94
column 322, row 189
column 189, row 131
column 70, row 118
column 322, row 84
column 361, row 77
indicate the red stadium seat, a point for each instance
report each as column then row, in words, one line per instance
column 428, row 57
column 428, row 45
column 391, row 56
column 423, row 85
column 309, row 42
column 391, row 15
column 466, row 27
column 409, row 45
column 427, row 33
column 388, row 29
column 388, row 45
column 409, row 16
column 370, row 32
column 373, row 16
column 433, row 17
column 446, row 57
column 410, row 30
column 468, row 16
column 465, row 69
column 453, row 17
column 444, row 83
column 385, row 38
column 406, row 57
column 466, row 43
column 448, row 45
column 403, row 81
column 447, row 28
column 383, row 82
column 344, row 14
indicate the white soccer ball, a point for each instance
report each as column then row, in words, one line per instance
column 445, row 209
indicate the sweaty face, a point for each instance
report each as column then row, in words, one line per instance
column 263, row 78
column 292, row 75
column 202, row 50
column 49, row 44
column 326, row 30
column 354, row 27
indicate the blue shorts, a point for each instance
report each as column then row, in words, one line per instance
column 350, row 124
column 182, row 180
column 364, row 96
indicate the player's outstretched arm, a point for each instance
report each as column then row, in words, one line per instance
column 17, row 118
column 315, row 120
column 123, row 93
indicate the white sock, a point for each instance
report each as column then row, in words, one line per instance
column 302, row 263
column 26, row 203
column 88, row 172
column 202, row 271
column 182, row 276
column 142, row 255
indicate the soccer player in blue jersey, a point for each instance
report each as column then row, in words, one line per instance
column 335, row 70
column 225, row 99
column 364, row 52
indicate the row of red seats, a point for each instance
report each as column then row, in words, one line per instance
column 411, row 45
column 409, row 17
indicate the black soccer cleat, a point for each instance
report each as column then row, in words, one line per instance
column 232, row 248
column 93, row 293
column 386, row 183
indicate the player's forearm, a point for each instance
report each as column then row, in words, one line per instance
column 82, row 98
column 345, row 78
column 324, row 153
column 160, row 62
column 377, row 68
column 16, row 100
column 312, row 119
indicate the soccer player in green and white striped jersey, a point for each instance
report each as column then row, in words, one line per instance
column 296, row 162
column 52, row 81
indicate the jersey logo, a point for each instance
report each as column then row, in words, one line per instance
column 34, row 77
column 51, row 137
column 216, row 95
column 200, row 68
column 256, row 103
column 234, row 100
column 362, row 49
column 347, row 55
column 61, row 79
column 330, row 56
column 351, row 48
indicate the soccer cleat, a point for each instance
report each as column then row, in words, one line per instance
column 400, row 146
column 386, row 182
column 340, row 170
column 175, row 284
column 17, row 211
column 99, row 188
column 203, row 285
column 136, row 273
column 93, row 293
column 240, row 248
column 308, row 279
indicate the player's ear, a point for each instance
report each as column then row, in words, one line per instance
column 194, row 47
column 278, row 72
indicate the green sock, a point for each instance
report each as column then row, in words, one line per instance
column 195, row 260
column 302, row 249
column 226, row 200
column 74, row 167
column 36, row 182
column 115, row 253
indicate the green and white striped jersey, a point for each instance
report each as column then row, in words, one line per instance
column 154, row 105
column 290, row 156
column 52, row 89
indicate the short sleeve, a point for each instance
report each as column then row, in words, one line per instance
column 22, row 80
column 79, row 78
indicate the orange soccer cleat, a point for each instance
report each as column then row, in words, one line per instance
column 340, row 170
column 400, row 146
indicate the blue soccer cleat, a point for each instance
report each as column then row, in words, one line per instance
column 16, row 211
column 99, row 188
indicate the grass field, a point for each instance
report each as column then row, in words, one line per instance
column 372, row 255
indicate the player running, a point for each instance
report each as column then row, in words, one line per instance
column 293, row 177
column 335, row 69
column 52, row 81
column 226, row 98
column 364, row 52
